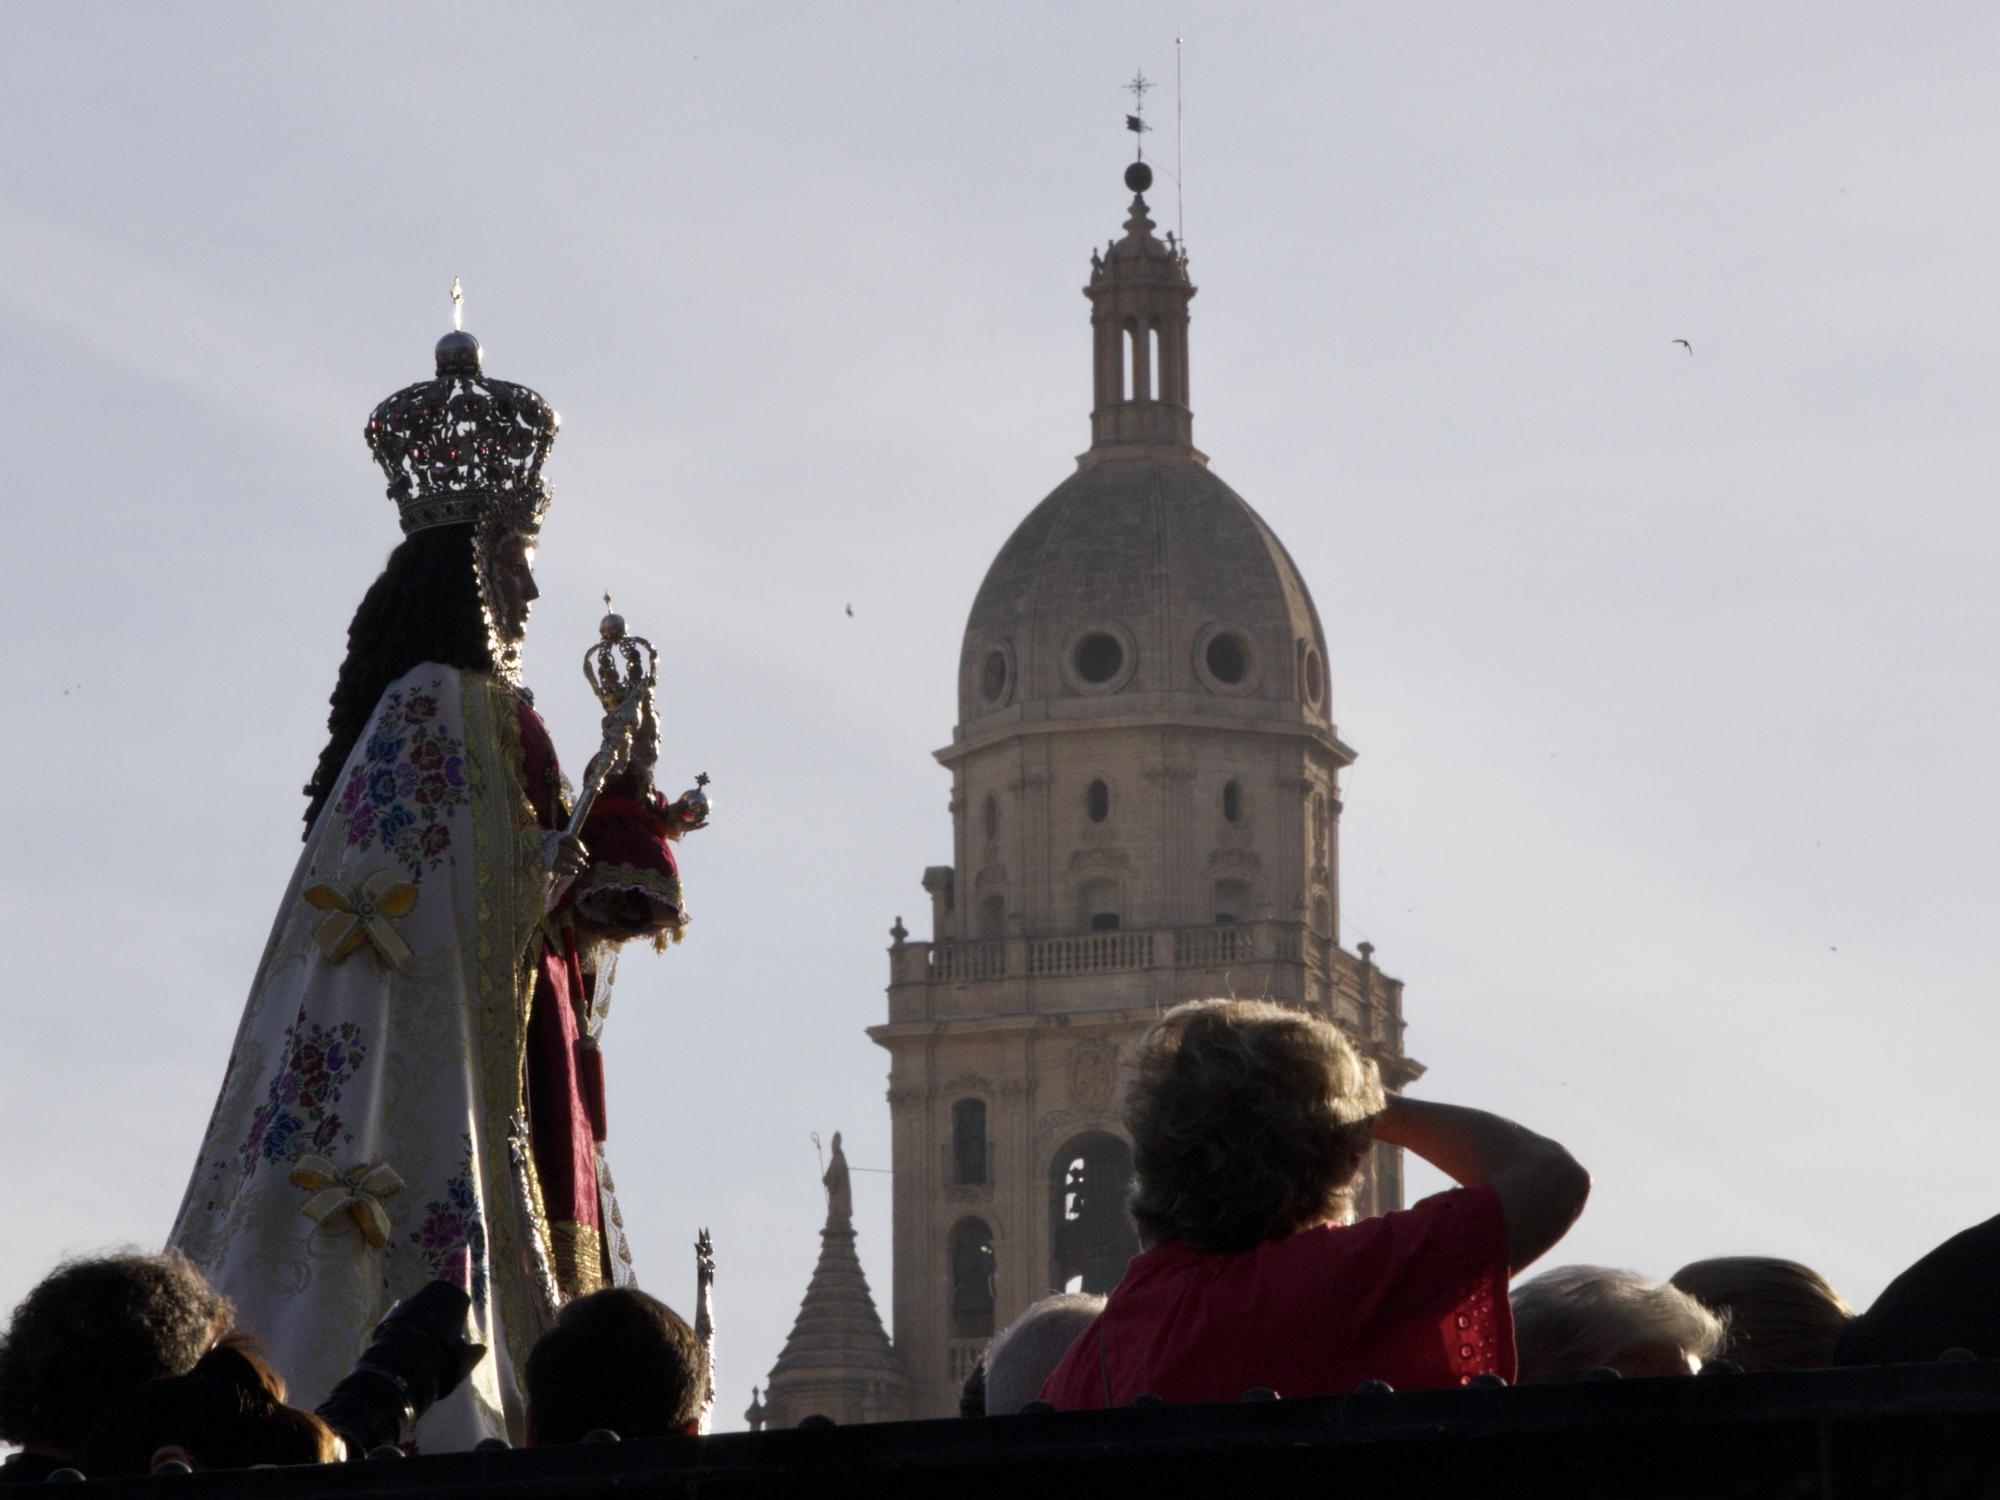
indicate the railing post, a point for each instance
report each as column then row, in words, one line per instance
column 910, row 963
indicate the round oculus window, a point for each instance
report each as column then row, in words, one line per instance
column 1228, row 658
column 993, row 676
column 1098, row 657
column 1315, row 678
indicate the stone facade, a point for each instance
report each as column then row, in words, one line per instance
column 1145, row 809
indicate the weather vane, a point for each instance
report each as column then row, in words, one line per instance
column 1136, row 121
column 457, row 306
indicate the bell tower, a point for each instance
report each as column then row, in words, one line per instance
column 1145, row 809
column 1139, row 293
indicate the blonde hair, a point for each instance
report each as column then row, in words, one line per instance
column 1782, row 1315
column 1248, row 1122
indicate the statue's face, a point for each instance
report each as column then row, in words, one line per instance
column 514, row 591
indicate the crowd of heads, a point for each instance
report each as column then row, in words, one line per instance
column 1250, row 1124
column 130, row 1364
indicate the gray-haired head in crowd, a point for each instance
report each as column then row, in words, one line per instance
column 1025, row 1352
column 1575, row 1319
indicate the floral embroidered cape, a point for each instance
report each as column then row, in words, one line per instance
column 372, row 1132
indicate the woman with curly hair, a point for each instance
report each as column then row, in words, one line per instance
column 1249, row 1122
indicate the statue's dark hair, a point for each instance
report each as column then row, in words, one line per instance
column 423, row 607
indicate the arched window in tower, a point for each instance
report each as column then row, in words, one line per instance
column 1232, row 801
column 989, row 818
column 1101, row 906
column 1322, row 837
column 1097, row 800
column 1092, row 1235
column 1135, row 367
column 968, row 1142
column 1153, row 366
column 1232, row 902
column 971, row 1260
column 992, row 917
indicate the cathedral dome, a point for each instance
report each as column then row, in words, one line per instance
column 1142, row 585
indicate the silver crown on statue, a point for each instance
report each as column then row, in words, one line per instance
column 619, row 664
column 464, row 446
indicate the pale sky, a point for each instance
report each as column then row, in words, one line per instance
column 1671, row 676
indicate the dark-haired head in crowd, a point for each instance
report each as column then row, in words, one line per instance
column 228, row 1412
column 1250, row 1124
column 92, row 1331
column 1781, row 1315
column 1950, row 1299
column 1025, row 1353
column 618, row 1360
column 1575, row 1319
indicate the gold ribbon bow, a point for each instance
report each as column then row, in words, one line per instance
column 359, row 1190
column 357, row 915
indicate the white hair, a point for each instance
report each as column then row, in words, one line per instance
column 1026, row 1352
column 1575, row 1318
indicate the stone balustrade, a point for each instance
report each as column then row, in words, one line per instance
column 1284, row 960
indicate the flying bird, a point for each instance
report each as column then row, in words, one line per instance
column 850, row 611
column 1687, row 346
